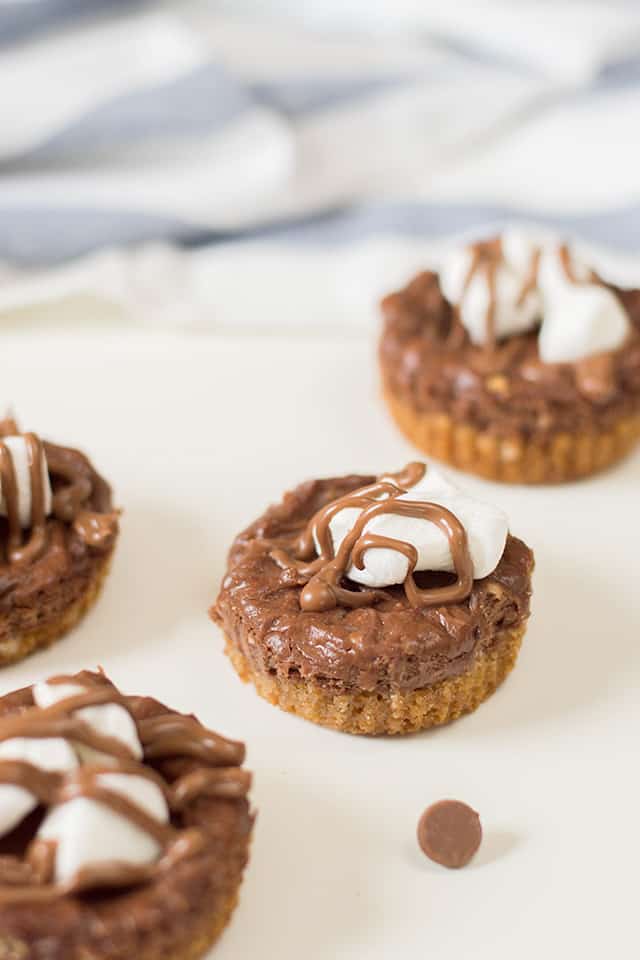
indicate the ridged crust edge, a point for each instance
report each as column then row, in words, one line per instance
column 562, row 458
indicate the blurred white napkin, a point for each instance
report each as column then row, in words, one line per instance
column 57, row 82
column 158, row 126
column 120, row 128
column 569, row 40
column 178, row 129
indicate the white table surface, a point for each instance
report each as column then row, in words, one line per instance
column 197, row 436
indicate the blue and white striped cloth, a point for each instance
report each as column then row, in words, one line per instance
column 274, row 148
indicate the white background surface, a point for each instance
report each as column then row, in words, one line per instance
column 197, row 436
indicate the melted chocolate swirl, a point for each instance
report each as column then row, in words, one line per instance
column 321, row 578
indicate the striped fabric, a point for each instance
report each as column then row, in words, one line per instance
column 207, row 132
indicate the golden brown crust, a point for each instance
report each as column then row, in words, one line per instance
column 364, row 712
column 16, row 644
column 563, row 457
column 205, row 938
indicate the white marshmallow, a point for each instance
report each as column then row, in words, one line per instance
column 17, row 447
column 580, row 319
column 552, row 277
column 87, row 832
column 519, row 246
column 486, row 528
column 510, row 316
column 110, row 719
column 47, row 753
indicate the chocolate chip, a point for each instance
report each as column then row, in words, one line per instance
column 449, row 832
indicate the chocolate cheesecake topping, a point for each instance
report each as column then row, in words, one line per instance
column 202, row 764
column 322, row 576
column 388, row 644
column 80, row 498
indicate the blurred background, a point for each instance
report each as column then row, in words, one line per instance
column 268, row 164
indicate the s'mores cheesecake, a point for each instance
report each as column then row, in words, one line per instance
column 124, row 825
column 376, row 605
column 515, row 361
column 58, row 530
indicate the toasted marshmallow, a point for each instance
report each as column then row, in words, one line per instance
column 46, row 753
column 18, row 451
column 89, row 833
column 486, row 527
column 109, row 719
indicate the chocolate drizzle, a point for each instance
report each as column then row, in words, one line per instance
column 75, row 484
column 211, row 768
column 321, row 578
column 487, row 257
column 564, row 255
column 566, row 262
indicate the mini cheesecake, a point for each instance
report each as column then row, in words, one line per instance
column 376, row 605
column 515, row 361
column 124, row 826
column 58, row 530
